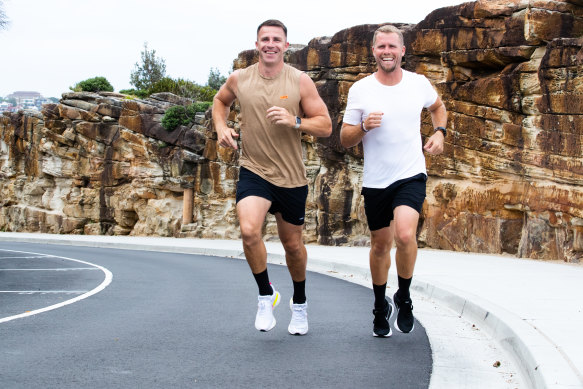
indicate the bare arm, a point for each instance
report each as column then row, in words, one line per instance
column 221, row 105
column 317, row 120
column 351, row 135
column 434, row 144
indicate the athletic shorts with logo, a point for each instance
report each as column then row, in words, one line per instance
column 290, row 202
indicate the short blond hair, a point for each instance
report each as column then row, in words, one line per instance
column 387, row 29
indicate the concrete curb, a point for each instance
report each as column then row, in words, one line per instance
column 541, row 363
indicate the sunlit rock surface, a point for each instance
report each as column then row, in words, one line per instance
column 510, row 179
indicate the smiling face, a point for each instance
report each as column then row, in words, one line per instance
column 388, row 51
column 271, row 44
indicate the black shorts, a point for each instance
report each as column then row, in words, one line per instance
column 290, row 202
column 379, row 204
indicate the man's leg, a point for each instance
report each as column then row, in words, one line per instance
column 380, row 262
column 380, row 254
column 405, row 224
column 251, row 211
column 296, row 258
column 296, row 255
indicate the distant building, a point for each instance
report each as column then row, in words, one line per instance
column 26, row 100
column 25, row 97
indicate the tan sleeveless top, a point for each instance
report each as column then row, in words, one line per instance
column 274, row 152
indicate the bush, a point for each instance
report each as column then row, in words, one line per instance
column 176, row 116
column 184, row 88
column 201, row 106
column 183, row 116
column 142, row 94
column 95, row 84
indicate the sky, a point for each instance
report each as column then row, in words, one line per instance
column 50, row 45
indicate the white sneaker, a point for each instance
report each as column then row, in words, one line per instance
column 264, row 321
column 299, row 320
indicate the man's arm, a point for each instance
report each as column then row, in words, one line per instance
column 351, row 135
column 317, row 120
column 221, row 105
column 434, row 144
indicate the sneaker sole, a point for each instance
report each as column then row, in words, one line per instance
column 297, row 333
column 404, row 332
column 389, row 320
column 275, row 304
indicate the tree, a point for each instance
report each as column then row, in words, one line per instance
column 215, row 79
column 3, row 18
column 151, row 70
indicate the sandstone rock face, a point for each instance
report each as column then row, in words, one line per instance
column 97, row 164
column 510, row 179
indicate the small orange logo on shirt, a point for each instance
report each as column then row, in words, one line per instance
column 283, row 97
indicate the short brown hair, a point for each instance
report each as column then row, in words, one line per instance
column 387, row 29
column 273, row 23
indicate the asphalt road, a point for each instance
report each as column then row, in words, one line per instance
column 186, row 321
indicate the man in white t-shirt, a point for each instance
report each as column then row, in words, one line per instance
column 384, row 112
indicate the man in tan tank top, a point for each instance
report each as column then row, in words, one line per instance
column 278, row 103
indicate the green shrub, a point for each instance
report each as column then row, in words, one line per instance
column 142, row 94
column 176, row 116
column 184, row 88
column 95, row 84
column 206, row 93
column 201, row 106
column 183, row 116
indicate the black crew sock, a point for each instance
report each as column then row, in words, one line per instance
column 299, row 292
column 262, row 280
column 379, row 295
column 404, row 284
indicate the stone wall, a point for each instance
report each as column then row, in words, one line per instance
column 510, row 179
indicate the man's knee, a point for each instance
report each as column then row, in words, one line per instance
column 293, row 246
column 250, row 234
column 380, row 247
column 405, row 238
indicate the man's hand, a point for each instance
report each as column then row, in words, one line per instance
column 434, row 144
column 226, row 137
column 280, row 115
column 373, row 120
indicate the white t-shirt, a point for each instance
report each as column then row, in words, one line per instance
column 394, row 150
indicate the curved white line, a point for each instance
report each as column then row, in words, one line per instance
column 103, row 285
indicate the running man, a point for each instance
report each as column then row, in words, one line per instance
column 278, row 104
column 383, row 111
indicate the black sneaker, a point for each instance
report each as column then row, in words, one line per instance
column 405, row 321
column 381, row 325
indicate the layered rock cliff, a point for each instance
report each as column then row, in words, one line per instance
column 510, row 179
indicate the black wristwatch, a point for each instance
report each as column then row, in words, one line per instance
column 442, row 129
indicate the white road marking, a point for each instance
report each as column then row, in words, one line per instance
column 107, row 280
column 54, row 269
column 29, row 257
column 43, row 291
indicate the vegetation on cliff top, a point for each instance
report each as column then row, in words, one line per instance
column 95, row 84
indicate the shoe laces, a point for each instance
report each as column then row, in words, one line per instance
column 299, row 311
column 406, row 305
column 265, row 304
